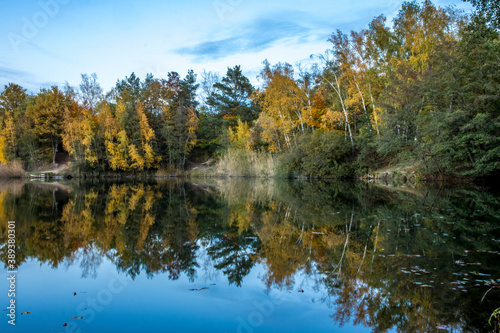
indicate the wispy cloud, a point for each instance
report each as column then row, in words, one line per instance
column 25, row 79
column 13, row 75
column 257, row 35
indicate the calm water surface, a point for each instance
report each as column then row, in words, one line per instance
column 249, row 256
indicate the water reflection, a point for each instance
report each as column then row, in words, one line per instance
column 412, row 261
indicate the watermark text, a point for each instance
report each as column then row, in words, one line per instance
column 12, row 272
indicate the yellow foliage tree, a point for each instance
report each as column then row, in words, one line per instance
column 143, row 156
column 116, row 138
column 282, row 103
column 240, row 136
column 3, row 147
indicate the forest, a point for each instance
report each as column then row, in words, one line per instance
column 421, row 91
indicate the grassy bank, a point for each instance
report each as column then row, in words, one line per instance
column 12, row 170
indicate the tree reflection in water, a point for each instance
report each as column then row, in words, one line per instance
column 408, row 260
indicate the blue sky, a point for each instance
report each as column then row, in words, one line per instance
column 47, row 42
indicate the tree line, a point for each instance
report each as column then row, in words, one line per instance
column 423, row 90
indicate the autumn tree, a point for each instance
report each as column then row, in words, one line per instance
column 282, row 106
column 12, row 113
column 75, row 130
column 418, row 30
column 116, row 138
column 338, row 114
column 47, row 113
column 141, row 153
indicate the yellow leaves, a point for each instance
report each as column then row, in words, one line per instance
column 125, row 152
column 146, row 132
column 77, row 225
column 282, row 105
column 193, row 230
column 420, row 28
column 117, row 152
column 130, row 204
column 147, row 221
column 241, row 217
column 376, row 119
column 136, row 196
column 10, row 130
column 7, row 139
column 150, row 157
column 269, row 132
column 192, row 125
column 3, row 216
column 79, row 134
column 137, row 160
column 332, row 119
column 318, row 108
column 240, row 137
column 110, row 123
column 116, row 139
column 3, row 148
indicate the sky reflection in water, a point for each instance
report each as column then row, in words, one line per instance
column 260, row 256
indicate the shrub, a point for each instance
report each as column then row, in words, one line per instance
column 318, row 155
column 247, row 163
column 11, row 170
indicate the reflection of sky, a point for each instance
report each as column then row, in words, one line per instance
column 40, row 47
column 159, row 304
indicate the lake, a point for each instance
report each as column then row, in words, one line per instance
column 243, row 255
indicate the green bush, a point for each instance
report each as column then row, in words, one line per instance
column 318, row 155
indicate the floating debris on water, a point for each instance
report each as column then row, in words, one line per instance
column 443, row 327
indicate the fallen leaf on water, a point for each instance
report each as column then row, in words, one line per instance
column 442, row 327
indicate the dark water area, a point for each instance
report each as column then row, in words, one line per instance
column 249, row 256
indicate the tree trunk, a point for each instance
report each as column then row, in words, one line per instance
column 54, row 149
column 337, row 90
column 374, row 110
